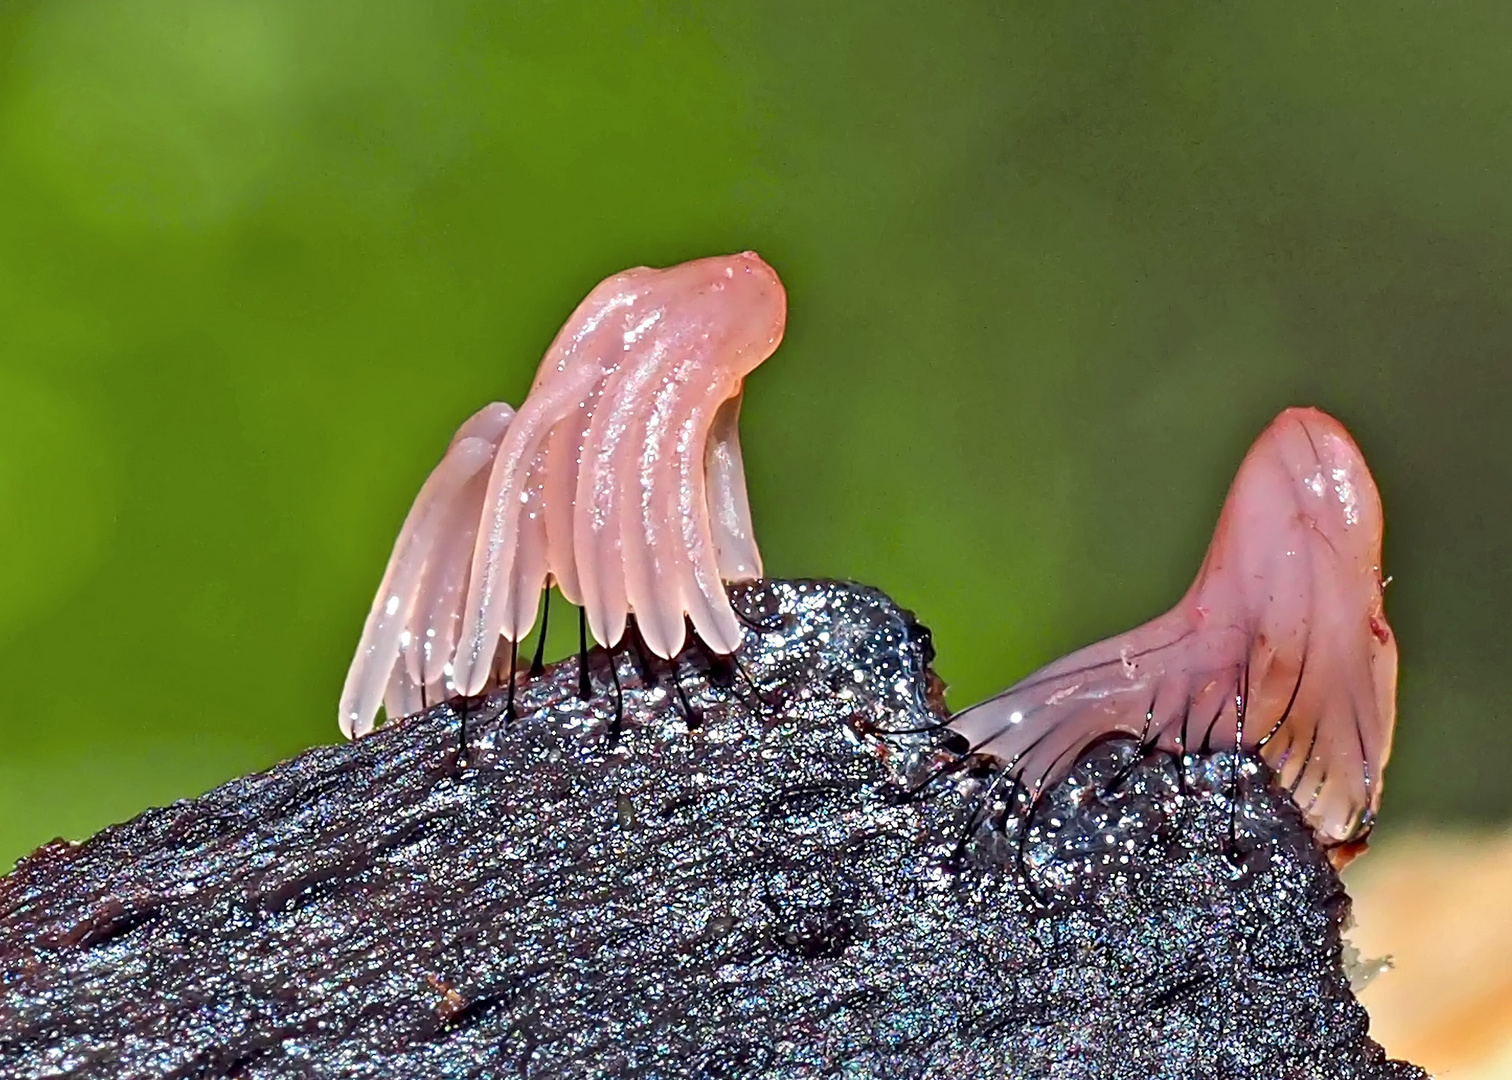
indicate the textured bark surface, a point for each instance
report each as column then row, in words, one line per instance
column 755, row 885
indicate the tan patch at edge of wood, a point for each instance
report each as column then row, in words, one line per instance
column 1440, row 905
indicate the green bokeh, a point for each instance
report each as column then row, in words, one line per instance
column 1051, row 267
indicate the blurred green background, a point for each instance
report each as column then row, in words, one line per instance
column 1051, row 268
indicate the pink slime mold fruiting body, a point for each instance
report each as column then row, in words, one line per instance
column 619, row 480
column 1281, row 644
column 621, row 476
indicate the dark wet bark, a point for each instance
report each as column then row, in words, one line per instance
column 746, row 891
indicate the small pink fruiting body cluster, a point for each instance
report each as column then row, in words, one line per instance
column 619, row 480
column 1280, row 644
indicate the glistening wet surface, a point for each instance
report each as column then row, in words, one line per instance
column 761, row 885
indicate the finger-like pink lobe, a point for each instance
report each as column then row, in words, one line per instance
column 1280, row 644
column 442, row 507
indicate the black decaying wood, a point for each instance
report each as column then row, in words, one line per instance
column 759, row 896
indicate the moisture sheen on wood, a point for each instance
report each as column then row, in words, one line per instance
column 752, row 894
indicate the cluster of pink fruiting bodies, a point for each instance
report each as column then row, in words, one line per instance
column 620, row 481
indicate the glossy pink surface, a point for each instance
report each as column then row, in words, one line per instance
column 1281, row 643
column 405, row 654
column 619, row 479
